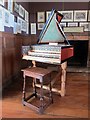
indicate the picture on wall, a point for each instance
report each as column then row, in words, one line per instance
column 16, row 7
column 1, row 13
column 33, row 28
column 21, row 11
column 80, row 15
column 19, row 20
column 6, row 18
column 27, row 28
column 18, row 28
column 2, row 2
column 15, row 28
column 63, row 24
column 23, row 26
column 10, row 5
column 40, row 26
column 86, row 25
column 1, row 19
column 26, row 15
column 41, row 17
column 89, row 15
column 73, row 24
column 47, row 14
column 11, row 20
column 72, row 29
column 67, row 16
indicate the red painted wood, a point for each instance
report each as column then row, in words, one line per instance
column 67, row 53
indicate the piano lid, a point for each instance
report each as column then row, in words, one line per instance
column 52, row 31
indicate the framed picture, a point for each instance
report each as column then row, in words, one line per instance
column 27, row 28
column 26, row 16
column 1, row 19
column 41, row 17
column 67, row 16
column 6, row 20
column 15, row 28
column 23, row 27
column 18, row 28
column 89, row 15
column 73, row 29
column 40, row 26
column 86, row 25
column 2, row 2
column 21, row 11
column 47, row 14
column 1, row 13
column 33, row 28
column 16, row 7
column 19, row 20
column 11, row 20
column 63, row 24
column 10, row 5
column 80, row 15
column 73, row 24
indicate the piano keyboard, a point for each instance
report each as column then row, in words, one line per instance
column 43, row 54
column 42, row 59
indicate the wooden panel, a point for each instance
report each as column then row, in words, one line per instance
column 88, row 59
column 11, row 54
column 0, row 68
column 8, row 48
column 77, row 36
column 4, row 77
column 9, row 42
column 9, row 62
column 26, row 41
column 8, row 57
column 21, row 40
column 0, row 34
column 34, row 39
column 18, row 44
column 2, row 61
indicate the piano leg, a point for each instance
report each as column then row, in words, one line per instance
column 34, row 63
column 63, row 78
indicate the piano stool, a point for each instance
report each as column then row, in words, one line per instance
column 40, row 74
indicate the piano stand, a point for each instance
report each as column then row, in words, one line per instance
column 62, row 74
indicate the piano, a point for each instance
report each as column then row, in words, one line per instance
column 52, row 48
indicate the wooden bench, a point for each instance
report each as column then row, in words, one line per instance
column 40, row 74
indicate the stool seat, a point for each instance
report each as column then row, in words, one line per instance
column 41, row 74
column 36, row 72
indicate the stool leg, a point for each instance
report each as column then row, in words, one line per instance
column 51, row 98
column 41, row 96
column 34, row 87
column 23, row 96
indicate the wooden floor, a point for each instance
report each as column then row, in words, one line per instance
column 73, row 105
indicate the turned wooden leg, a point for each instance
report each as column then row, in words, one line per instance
column 41, row 96
column 63, row 78
column 34, row 87
column 34, row 79
column 51, row 98
column 34, row 63
column 23, row 97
